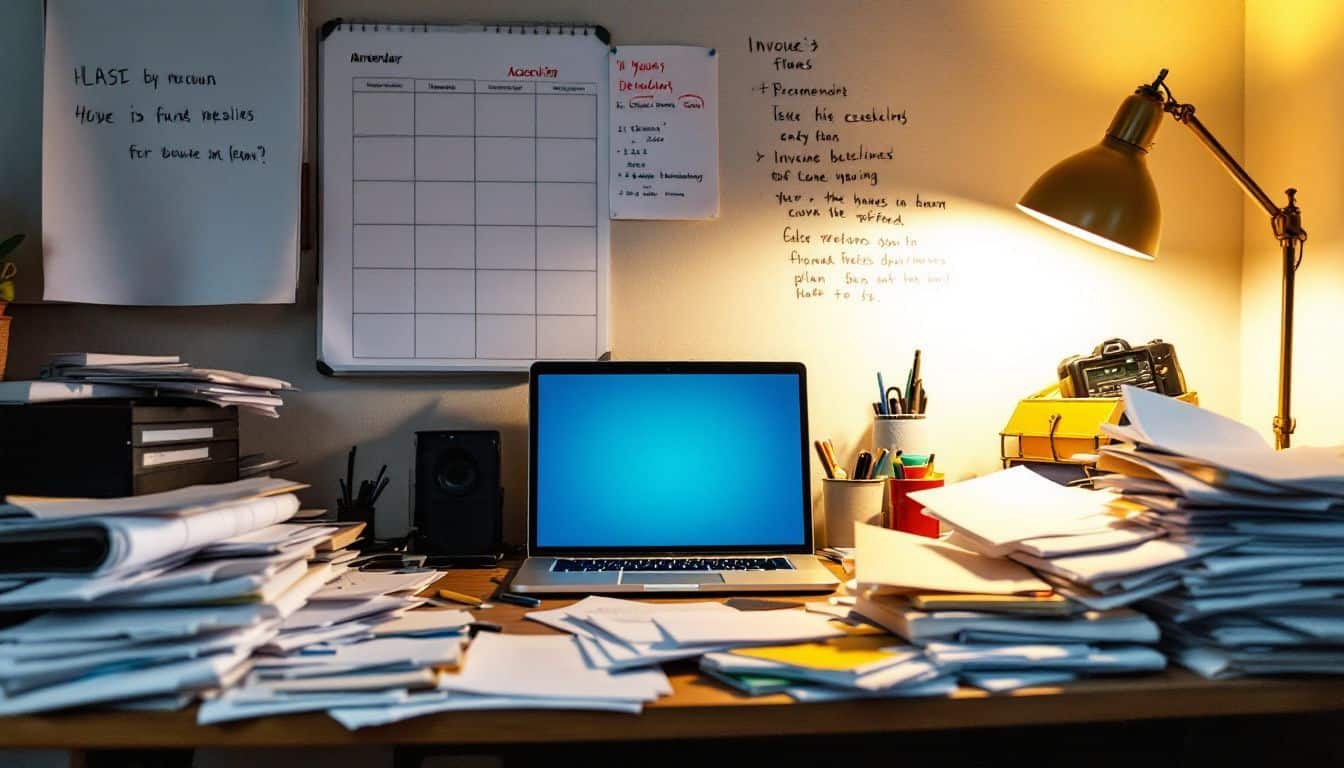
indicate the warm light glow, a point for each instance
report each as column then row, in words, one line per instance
column 1083, row 234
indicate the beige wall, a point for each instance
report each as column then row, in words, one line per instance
column 996, row 90
column 1293, row 129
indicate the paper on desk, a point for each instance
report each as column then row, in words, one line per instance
column 1002, row 682
column 554, row 668
column 1179, row 428
column 607, row 651
column 281, row 538
column 330, row 612
column 1006, row 507
column 746, row 627
column 251, row 588
column 373, row 680
column 424, row 622
column 44, row 634
column 887, row 558
column 1120, row 568
column 421, row 704
column 941, row 686
column 287, row 642
column 18, row 676
column 377, row 652
column 231, row 707
column 136, row 542
column 365, row 585
column 182, row 502
column 1117, row 598
column 1118, row 626
column 1032, row 657
column 190, row 675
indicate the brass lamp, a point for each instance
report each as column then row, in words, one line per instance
column 1106, row 196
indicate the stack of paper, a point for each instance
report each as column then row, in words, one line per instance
column 78, row 376
column 988, row 620
column 1268, row 600
column 137, row 599
column 1088, row 545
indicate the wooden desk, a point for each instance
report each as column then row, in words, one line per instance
column 699, row 709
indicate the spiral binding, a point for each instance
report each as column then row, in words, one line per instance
column 535, row 28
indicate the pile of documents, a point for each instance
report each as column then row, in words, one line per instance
column 79, row 376
column 150, row 600
column 1263, row 596
column 989, row 621
column 805, row 653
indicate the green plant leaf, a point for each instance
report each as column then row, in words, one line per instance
column 9, row 245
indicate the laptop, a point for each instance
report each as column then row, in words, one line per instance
column 669, row 477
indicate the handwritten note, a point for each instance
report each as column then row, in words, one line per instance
column 171, row 151
column 664, row 132
column 849, row 227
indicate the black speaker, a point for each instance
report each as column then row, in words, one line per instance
column 459, row 503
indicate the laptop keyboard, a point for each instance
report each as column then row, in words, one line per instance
column 576, row 565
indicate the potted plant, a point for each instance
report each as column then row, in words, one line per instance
column 7, row 274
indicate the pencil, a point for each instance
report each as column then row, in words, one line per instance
column 458, row 597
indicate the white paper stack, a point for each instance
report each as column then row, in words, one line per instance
column 146, row 598
column 1016, row 629
column 93, row 375
column 1269, row 600
column 1087, row 544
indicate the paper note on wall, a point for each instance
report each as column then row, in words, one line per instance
column 664, row 132
column 171, row 151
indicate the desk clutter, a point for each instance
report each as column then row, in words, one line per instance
column 1206, row 548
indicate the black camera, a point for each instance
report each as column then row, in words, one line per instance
column 1114, row 363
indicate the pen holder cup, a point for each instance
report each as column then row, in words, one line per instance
column 907, row 514
column 846, row 502
column 906, row 432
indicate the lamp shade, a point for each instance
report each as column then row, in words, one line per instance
column 1105, row 194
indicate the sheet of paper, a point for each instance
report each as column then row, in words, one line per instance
column 555, row 668
column 1100, row 569
column 745, row 627
column 378, row 652
column 424, row 622
column 129, row 624
column 183, row 502
column 170, row 163
column 366, row 585
column 664, row 132
column 887, row 558
column 355, row 718
column 1005, row 507
column 193, row 674
column 330, row 612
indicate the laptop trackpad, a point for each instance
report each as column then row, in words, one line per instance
column 664, row 578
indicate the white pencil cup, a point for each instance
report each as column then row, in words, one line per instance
column 905, row 432
column 846, row 502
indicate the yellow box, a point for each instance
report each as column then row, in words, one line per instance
column 1063, row 430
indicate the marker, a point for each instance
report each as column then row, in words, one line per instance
column 881, row 394
column 458, row 597
column 836, row 469
column 931, row 455
column 862, row 465
column 517, row 599
column 483, row 626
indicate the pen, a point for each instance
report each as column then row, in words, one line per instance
column 897, row 466
column 836, row 469
column 923, row 401
column 931, row 455
column 862, row 465
column 881, row 394
column 483, row 626
column 825, row 463
column 910, row 384
column 458, row 597
column 379, row 490
column 914, row 396
column 877, row 409
column 350, row 476
column 517, row 599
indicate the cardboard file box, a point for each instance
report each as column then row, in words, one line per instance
column 115, row 448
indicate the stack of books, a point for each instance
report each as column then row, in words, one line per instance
column 151, row 601
column 990, row 622
column 1267, row 600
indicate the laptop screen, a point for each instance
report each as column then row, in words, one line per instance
column 656, row 457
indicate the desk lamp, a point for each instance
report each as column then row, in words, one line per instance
column 1106, row 196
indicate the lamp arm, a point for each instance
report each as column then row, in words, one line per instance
column 1287, row 225
column 1185, row 113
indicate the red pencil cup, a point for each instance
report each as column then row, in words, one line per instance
column 908, row 515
